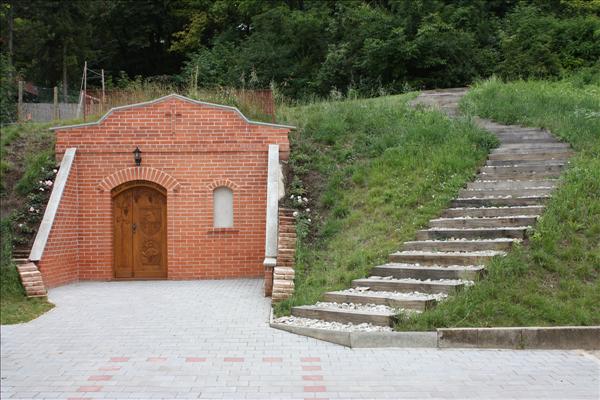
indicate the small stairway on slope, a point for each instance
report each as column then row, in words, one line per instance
column 30, row 276
column 491, row 214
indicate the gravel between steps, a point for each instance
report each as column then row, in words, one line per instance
column 458, row 240
column 393, row 295
column 369, row 308
column 452, row 253
column 412, row 280
column 334, row 326
column 477, row 229
column 460, row 267
column 468, row 217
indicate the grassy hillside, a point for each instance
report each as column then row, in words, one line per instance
column 27, row 158
column 372, row 172
column 555, row 278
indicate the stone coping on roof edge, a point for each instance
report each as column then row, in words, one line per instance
column 178, row 96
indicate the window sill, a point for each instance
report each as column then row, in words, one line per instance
column 219, row 231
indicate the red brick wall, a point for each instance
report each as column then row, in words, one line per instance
column 59, row 262
column 189, row 149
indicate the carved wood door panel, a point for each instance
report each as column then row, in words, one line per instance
column 140, row 233
column 123, row 221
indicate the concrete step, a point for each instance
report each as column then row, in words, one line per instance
column 522, row 169
column 492, row 211
column 483, row 222
column 518, row 176
column 410, row 285
column 552, row 161
column 472, row 233
column 498, row 201
column 444, row 257
column 33, row 286
column 532, row 155
column 344, row 316
column 501, row 128
column 459, row 245
column 20, row 253
column 20, row 260
column 422, row 272
column 470, row 193
column 550, row 144
column 419, row 302
column 511, row 185
column 520, row 137
column 27, row 268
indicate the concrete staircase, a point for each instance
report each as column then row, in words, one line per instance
column 489, row 215
column 31, row 278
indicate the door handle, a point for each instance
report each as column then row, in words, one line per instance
column 133, row 227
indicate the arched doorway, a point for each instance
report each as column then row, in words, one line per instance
column 140, row 231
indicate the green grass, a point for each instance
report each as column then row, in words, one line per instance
column 555, row 278
column 27, row 154
column 14, row 306
column 374, row 171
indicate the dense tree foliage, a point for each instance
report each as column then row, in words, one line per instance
column 305, row 47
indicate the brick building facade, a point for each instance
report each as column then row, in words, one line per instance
column 159, row 219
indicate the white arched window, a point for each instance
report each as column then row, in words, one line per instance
column 223, row 207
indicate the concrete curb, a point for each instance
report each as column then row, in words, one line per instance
column 364, row 339
column 557, row 337
column 543, row 338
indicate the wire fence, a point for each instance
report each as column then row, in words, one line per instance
column 44, row 104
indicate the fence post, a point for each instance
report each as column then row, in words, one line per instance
column 20, row 103
column 56, row 115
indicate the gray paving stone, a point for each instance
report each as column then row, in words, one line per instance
column 55, row 355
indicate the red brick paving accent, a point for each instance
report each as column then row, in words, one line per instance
column 89, row 389
column 156, row 359
column 272, row 359
column 194, row 359
column 109, row 368
column 189, row 149
column 312, row 377
column 100, row 378
column 233, row 359
column 310, row 359
column 119, row 359
column 311, row 368
column 314, row 389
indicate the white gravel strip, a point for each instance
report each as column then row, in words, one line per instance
column 504, row 197
column 461, row 267
column 451, row 253
column 466, row 240
column 494, row 207
column 478, row 229
column 333, row 326
column 393, row 295
column 412, row 280
column 467, row 217
column 369, row 308
column 511, row 180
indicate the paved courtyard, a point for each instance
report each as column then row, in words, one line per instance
column 210, row 339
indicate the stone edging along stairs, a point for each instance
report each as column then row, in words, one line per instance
column 491, row 214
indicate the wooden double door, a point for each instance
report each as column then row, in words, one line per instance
column 140, row 231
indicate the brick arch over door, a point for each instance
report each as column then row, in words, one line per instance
column 139, row 173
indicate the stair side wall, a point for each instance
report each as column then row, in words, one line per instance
column 59, row 263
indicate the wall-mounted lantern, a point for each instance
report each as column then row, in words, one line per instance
column 137, row 156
